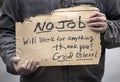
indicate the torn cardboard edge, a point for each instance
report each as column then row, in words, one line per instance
column 62, row 38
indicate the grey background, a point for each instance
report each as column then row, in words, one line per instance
column 112, row 68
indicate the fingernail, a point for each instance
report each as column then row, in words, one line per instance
column 26, row 61
column 37, row 66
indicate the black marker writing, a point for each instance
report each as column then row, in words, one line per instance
column 29, row 40
column 61, row 58
column 49, row 26
column 43, row 39
column 86, row 55
column 59, row 47
column 83, row 46
column 63, row 47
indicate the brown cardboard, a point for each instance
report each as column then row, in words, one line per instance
column 62, row 38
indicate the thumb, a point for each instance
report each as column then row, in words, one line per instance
column 15, row 59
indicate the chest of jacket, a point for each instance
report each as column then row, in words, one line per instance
column 30, row 8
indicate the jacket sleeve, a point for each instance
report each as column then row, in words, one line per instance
column 7, row 34
column 112, row 35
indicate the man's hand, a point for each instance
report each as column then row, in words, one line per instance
column 97, row 22
column 28, row 67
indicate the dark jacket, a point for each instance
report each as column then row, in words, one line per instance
column 17, row 10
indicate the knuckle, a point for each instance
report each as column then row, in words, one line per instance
column 97, row 18
column 98, row 23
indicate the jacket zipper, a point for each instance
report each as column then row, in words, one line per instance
column 65, row 72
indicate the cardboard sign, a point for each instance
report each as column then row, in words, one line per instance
column 62, row 38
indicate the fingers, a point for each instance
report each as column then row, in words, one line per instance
column 32, row 65
column 15, row 59
column 28, row 67
column 98, row 19
column 100, row 29
column 97, row 14
column 97, row 22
